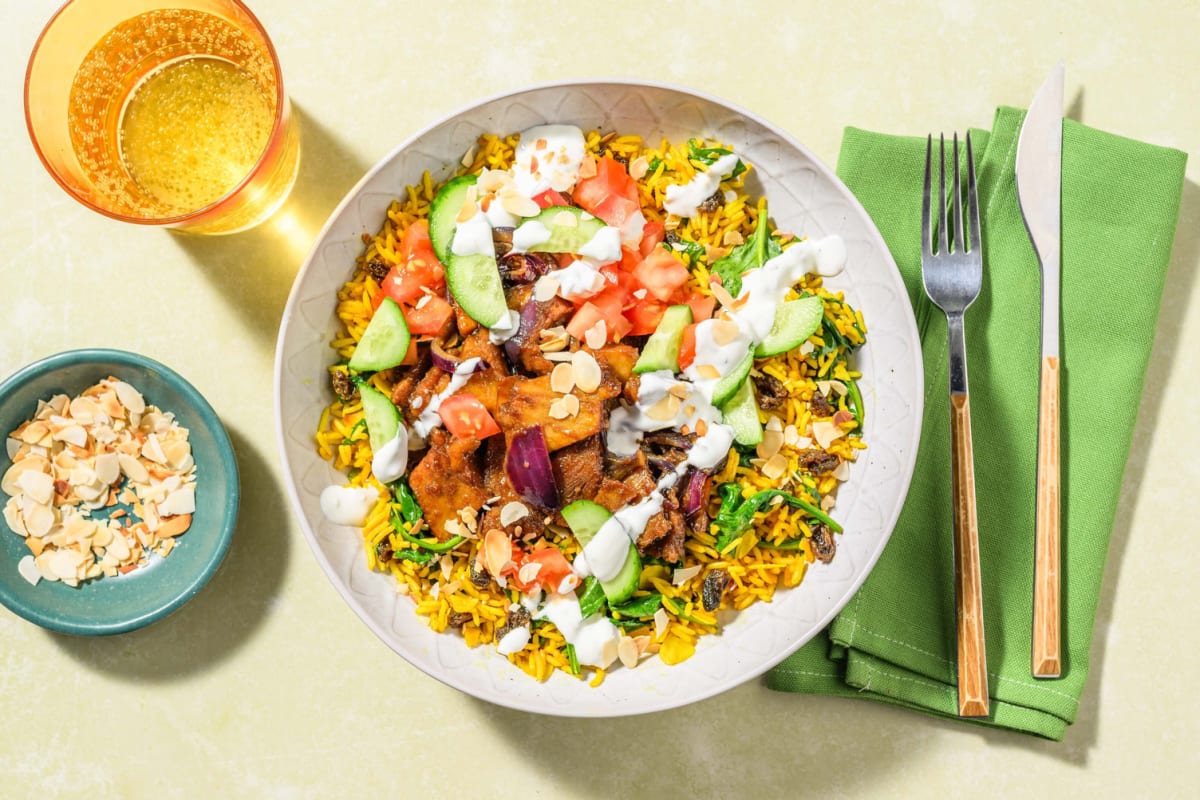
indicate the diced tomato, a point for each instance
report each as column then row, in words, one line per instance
column 428, row 316
column 630, row 259
column 687, row 347
column 645, row 315
column 610, row 194
column 418, row 268
column 585, row 317
column 550, row 198
column 652, row 236
column 661, row 273
column 465, row 417
column 702, row 306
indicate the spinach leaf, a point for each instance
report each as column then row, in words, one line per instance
column 410, row 509
column 572, row 659
column 735, row 521
column 417, row 556
column 694, row 250
column 591, row 599
column 707, row 155
column 752, row 254
column 349, row 438
column 639, row 608
column 629, row 625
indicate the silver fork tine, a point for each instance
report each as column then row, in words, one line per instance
column 958, row 219
column 944, row 234
column 926, row 221
column 972, row 198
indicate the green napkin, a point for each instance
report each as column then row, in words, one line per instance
column 895, row 640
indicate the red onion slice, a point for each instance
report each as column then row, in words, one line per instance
column 529, row 320
column 529, row 470
column 693, row 495
column 448, row 363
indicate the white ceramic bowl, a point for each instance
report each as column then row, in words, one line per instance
column 805, row 198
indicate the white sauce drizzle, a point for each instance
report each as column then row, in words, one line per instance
column 473, row 237
column 390, row 462
column 429, row 418
column 557, row 160
column 348, row 505
column 595, row 639
column 684, row 199
column 514, row 641
column 506, row 328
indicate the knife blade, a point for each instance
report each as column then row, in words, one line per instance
column 1039, row 193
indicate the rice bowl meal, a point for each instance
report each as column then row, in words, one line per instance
column 589, row 402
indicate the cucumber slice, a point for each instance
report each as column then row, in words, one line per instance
column 385, row 341
column 443, row 213
column 474, row 279
column 795, row 321
column 741, row 414
column 381, row 414
column 585, row 519
column 728, row 385
column 566, row 238
column 662, row 348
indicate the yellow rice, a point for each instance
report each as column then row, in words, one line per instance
column 443, row 587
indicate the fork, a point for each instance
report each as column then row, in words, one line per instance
column 952, row 280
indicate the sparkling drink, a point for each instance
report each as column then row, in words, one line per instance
column 174, row 116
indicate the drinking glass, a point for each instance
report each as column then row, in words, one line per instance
column 170, row 114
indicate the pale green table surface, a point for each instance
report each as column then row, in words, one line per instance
column 267, row 685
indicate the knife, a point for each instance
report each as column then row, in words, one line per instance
column 1039, row 192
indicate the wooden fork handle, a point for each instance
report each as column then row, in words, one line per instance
column 1047, row 611
column 972, row 657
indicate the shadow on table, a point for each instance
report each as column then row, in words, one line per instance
column 255, row 268
column 1180, row 280
column 226, row 612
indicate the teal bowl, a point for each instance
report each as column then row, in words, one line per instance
column 133, row 600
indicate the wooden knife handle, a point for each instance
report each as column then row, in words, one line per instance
column 1047, row 611
column 972, row 657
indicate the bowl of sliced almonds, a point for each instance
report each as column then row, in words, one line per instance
column 119, row 490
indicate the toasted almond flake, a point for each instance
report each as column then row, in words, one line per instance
column 587, row 371
column 180, row 501
column 682, row 576
column 587, row 167
column 469, row 157
column 771, row 444
column 732, row 238
column 558, row 409
column 518, row 205
column 665, row 409
column 529, row 571
column 841, row 471
column 12, row 516
column 153, row 451
column 708, row 372
column 454, row 527
column 28, row 570
column 827, row 502
column 826, row 432
column 470, row 205
column 774, row 467
column 639, row 167
column 627, row 651
column 446, row 564
column 451, row 588
column 130, row 397
column 562, row 378
column 513, row 511
column 595, row 336
column 721, row 293
column 807, row 348
column 110, row 405
column 701, row 427
column 640, row 294
column 37, row 485
column 672, row 222
column 557, row 356
column 34, row 432
column 661, row 621
column 72, row 434
column 496, row 552
column 724, row 332
column 571, row 405
column 774, row 423
column 133, row 469
column 39, row 519
column 546, row 287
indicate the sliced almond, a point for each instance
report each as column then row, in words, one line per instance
column 842, row 471
column 558, row 409
column 775, row 467
column 130, row 397
column 708, row 372
column 513, row 511
column 587, row 371
column 39, row 519
column 732, row 238
column 771, row 444
column 180, row 501
column 28, row 570
column 571, row 405
column 587, row 167
column 496, row 552
column 518, row 205
column 153, row 451
column 38, row 486
column 680, row 390
column 721, row 293
column 639, row 167
column 597, row 335
column 682, row 576
column 12, row 516
column 665, row 409
column 133, row 469
column 529, row 571
column 826, row 432
column 470, row 206
column 545, row 289
column 627, row 651
column 661, row 621
column 562, row 378
column 724, row 332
